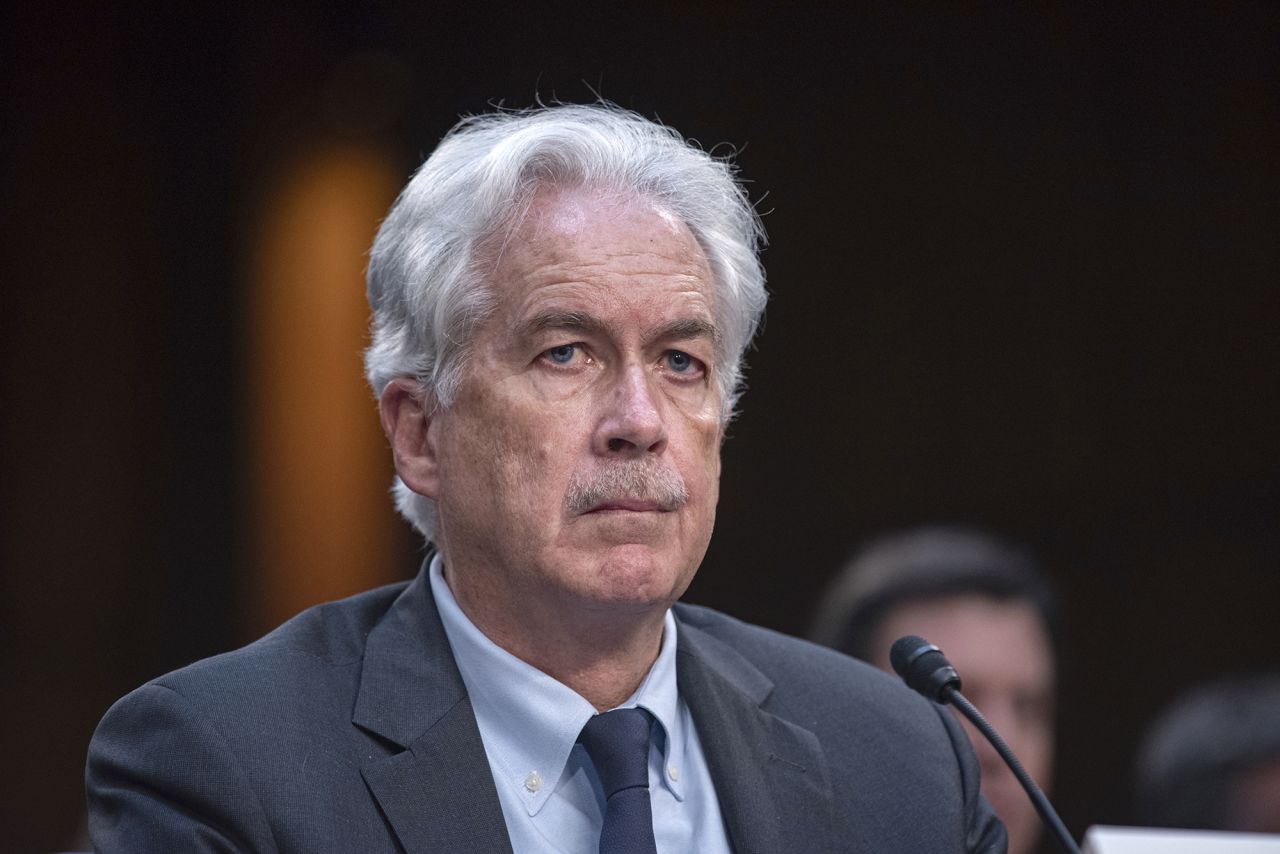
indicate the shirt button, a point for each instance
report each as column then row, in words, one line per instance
column 533, row 782
column 673, row 773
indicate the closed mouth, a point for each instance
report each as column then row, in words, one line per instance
column 629, row 505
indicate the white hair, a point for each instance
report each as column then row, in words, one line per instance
column 426, row 284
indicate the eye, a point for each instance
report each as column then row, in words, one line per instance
column 563, row 354
column 680, row 362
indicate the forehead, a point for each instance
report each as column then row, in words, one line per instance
column 979, row 634
column 565, row 218
column 573, row 242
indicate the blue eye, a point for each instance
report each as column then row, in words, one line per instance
column 679, row 362
column 563, row 354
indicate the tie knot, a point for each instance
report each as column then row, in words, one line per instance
column 618, row 744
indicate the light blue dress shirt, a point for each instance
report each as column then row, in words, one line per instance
column 549, row 792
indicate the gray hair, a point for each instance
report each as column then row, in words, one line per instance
column 426, row 285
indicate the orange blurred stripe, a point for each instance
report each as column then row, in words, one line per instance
column 321, row 523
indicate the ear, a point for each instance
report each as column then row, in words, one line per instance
column 408, row 412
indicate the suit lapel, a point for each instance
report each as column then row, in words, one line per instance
column 438, row 793
column 770, row 775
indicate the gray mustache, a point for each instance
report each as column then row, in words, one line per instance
column 630, row 480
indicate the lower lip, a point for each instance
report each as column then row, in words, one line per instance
column 622, row 510
column 610, row 511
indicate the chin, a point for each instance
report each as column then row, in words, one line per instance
column 638, row 575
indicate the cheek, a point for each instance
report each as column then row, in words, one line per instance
column 700, row 467
column 525, row 451
column 708, row 437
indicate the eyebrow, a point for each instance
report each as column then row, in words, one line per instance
column 683, row 329
column 686, row 329
column 574, row 321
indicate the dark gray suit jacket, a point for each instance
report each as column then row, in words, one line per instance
column 348, row 729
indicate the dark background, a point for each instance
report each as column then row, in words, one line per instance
column 1023, row 266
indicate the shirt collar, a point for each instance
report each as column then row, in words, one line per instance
column 529, row 722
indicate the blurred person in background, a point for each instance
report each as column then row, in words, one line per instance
column 987, row 605
column 1211, row 760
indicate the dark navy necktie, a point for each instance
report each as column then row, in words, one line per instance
column 618, row 744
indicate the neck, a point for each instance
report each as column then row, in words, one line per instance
column 601, row 653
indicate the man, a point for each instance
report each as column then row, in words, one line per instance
column 988, row 607
column 561, row 300
column 1211, row 760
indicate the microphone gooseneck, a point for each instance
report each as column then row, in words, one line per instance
column 926, row 670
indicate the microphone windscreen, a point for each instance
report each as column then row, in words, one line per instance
column 903, row 652
column 923, row 667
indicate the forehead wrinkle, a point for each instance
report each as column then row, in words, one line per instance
column 556, row 261
column 574, row 252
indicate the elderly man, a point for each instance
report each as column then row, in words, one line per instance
column 561, row 301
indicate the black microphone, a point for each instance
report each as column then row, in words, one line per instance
column 926, row 670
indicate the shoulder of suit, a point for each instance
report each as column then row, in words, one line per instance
column 326, row 636
column 758, row 641
column 803, row 671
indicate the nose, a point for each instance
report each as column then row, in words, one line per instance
column 631, row 423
